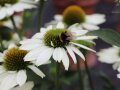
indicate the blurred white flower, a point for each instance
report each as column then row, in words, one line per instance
column 74, row 14
column 9, row 7
column 56, row 43
column 27, row 86
column 111, row 56
column 18, row 21
column 15, row 39
column 13, row 68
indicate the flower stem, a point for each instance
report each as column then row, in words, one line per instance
column 89, row 76
column 1, row 44
column 57, row 76
column 15, row 27
column 40, row 14
column 80, row 75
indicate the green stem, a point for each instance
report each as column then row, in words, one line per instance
column 1, row 44
column 40, row 14
column 80, row 75
column 57, row 76
column 89, row 76
column 15, row 27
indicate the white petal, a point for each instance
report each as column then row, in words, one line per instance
column 37, row 71
column 33, row 54
column 38, row 36
column 44, row 56
column 49, row 27
column 71, row 53
column 95, row 19
column 43, row 30
column 27, row 86
column 79, row 32
column 84, row 47
column 118, row 75
column 29, row 41
column 21, row 77
column 76, row 26
column 77, row 51
column 86, row 37
column 12, row 45
column 8, row 82
column 90, row 27
column 60, row 25
column 65, row 60
column 1, row 57
column 3, row 13
column 29, row 46
column 2, row 69
column 58, row 54
column 58, row 17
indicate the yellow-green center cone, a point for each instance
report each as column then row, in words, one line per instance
column 14, row 60
column 3, row 2
column 56, row 38
column 73, row 14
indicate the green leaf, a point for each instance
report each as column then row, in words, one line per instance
column 107, row 35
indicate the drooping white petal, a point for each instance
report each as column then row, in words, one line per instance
column 8, row 82
column 84, row 47
column 86, row 37
column 58, row 54
column 60, row 25
column 27, row 86
column 71, row 53
column 90, row 27
column 65, row 60
column 21, row 77
column 95, row 19
column 37, row 71
column 78, row 52
column 44, row 56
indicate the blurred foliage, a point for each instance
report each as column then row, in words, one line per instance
column 108, row 85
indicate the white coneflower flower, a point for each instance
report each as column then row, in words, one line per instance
column 56, row 43
column 13, row 68
column 110, row 56
column 75, row 14
column 27, row 86
column 9, row 7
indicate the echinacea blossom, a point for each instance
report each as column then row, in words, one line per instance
column 9, row 7
column 75, row 14
column 56, row 43
column 110, row 56
column 13, row 68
